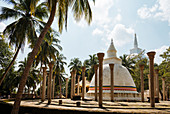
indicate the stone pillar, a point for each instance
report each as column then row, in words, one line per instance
column 78, row 79
column 44, row 84
column 141, row 66
column 83, row 81
column 66, row 87
column 95, row 68
column 112, row 81
column 149, row 85
column 163, row 87
column 151, row 72
column 51, row 64
column 100, row 58
column 157, row 83
column 72, row 76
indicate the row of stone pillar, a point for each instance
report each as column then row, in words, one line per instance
column 100, row 58
column 153, row 81
column 51, row 86
column 153, row 91
column 73, row 81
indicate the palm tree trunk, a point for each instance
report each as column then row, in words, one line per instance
column 53, row 87
column 31, row 58
column 60, row 86
column 10, row 65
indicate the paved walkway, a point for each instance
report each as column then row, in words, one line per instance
column 92, row 106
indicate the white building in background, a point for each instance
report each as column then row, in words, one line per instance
column 135, row 50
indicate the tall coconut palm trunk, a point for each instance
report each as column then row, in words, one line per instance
column 31, row 58
column 10, row 65
column 60, row 86
column 53, row 87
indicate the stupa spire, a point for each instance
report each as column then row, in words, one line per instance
column 135, row 42
column 111, row 52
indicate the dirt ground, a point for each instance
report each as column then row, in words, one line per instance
column 92, row 106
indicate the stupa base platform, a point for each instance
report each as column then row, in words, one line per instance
column 117, row 96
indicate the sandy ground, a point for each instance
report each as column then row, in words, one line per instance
column 92, row 106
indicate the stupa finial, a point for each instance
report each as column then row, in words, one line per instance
column 111, row 52
column 135, row 42
column 111, row 40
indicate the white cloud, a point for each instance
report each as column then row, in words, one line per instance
column 118, row 18
column 97, row 32
column 101, row 11
column 161, row 10
column 159, row 51
column 2, row 26
column 121, row 35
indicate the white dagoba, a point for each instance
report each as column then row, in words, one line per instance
column 124, row 86
column 135, row 50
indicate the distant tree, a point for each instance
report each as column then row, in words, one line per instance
column 164, row 68
column 90, row 63
column 128, row 62
column 75, row 64
column 11, row 81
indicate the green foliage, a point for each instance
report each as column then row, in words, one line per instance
column 75, row 64
column 90, row 63
column 11, row 80
column 164, row 67
column 5, row 55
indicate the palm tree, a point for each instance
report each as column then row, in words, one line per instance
column 32, row 78
column 59, row 69
column 79, row 9
column 128, row 63
column 90, row 63
column 75, row 64
column 24, row 27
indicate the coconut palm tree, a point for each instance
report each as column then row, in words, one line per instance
column 79, row 9
column 128, row 63
column 90, row 63
column 33, row 75
column 59, row 69
column 75, row 64
column 25, row 24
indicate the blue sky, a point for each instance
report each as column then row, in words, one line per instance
column 117, row 19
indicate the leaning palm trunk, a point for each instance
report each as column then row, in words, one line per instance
column 10, row 65
column 31, row 58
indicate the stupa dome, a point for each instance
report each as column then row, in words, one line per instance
column 124, row 86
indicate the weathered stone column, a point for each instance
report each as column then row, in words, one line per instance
column 151, row 72
column 163, row 87
column 72, row 79
column 95, row 68
column 149, row 85
column 66, row 87
column 141, row 66
column 83, row 81
column 53, row 86
column 51, row 64
column 78, row 79
column 157, row 83
column 112, row 81
column 44, row 84
column 100, row 58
